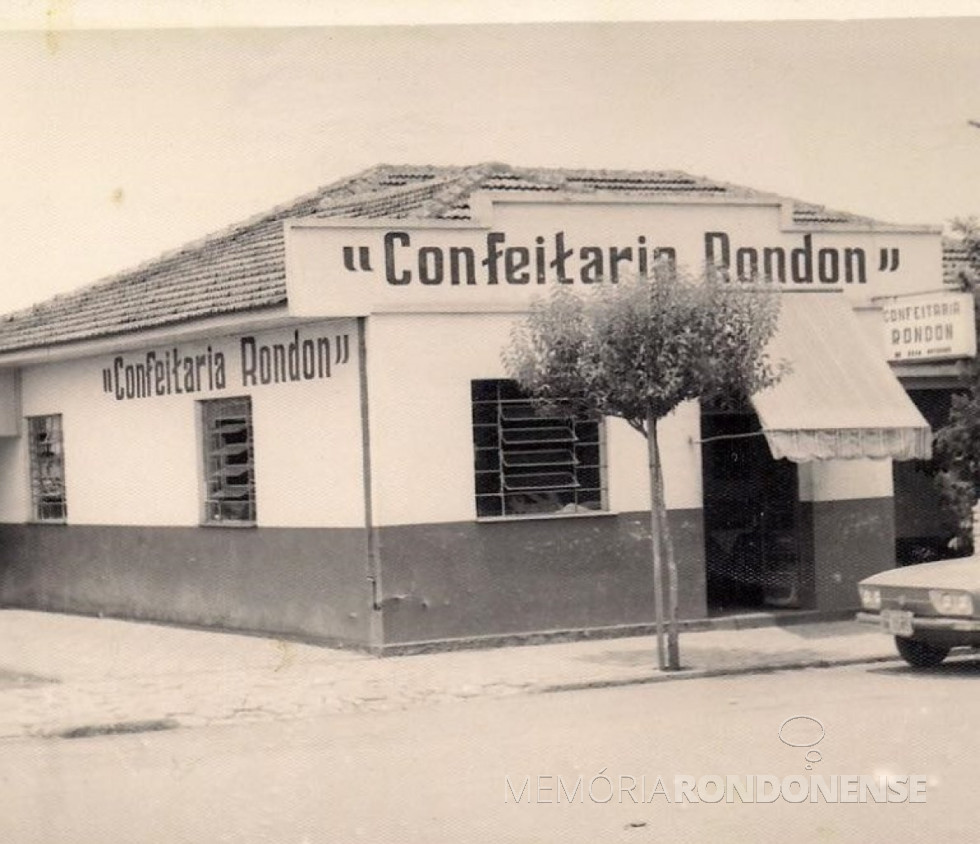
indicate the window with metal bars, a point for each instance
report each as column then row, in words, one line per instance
column 47, row 468
column 533, row 459
column 229, row 464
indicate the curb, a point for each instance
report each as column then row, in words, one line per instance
column 702, row 673
column 735, row 622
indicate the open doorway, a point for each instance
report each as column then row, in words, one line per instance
column 925, row 524
column 751, row 508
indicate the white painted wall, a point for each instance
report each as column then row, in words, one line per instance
column 14, row 489
column 15, row 499
column 137, row 461
column 841, row 480
column 679, row 451
column 419, row 372
column 9, row 403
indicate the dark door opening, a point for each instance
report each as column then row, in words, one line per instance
column 925, row 524
column 752, row 557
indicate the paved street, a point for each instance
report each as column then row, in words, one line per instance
column 115, row 731
column 441, row 774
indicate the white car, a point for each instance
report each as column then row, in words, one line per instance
column 929, row 608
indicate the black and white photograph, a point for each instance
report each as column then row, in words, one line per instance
column 428, row 422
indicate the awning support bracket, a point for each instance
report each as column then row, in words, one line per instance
column 693, row 441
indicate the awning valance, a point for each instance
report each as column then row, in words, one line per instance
column 841, row 399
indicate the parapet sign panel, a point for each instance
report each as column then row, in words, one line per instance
column 354, row 269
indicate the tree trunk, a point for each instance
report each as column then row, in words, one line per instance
column 673, row 646
column 653, row 456
column 668, row 658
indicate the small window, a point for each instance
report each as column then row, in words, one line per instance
column 229, row 465
column 530, row 459
column 47, row 468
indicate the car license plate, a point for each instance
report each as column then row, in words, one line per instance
column 897, row 622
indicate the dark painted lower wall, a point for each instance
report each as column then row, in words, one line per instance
column 846, row 541
column 490, row 578
column 439, row 581
column 309, row 582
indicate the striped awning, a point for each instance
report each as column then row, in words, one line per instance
column 840, row 400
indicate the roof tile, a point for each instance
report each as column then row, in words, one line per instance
column 242, row 269
column 957, row 265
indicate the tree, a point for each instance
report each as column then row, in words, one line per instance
column 957, row 443
column 636, row 349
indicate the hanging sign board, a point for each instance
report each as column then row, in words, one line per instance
column 930, row 326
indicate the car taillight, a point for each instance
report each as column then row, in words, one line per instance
column 951, row 603
column 870, row 597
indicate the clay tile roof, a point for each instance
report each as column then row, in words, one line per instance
column 956, row 262
column 242, row 269
column 804, row 213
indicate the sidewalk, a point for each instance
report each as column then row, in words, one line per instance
column 63, row 673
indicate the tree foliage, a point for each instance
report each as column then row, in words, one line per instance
column 636, row 349
column 957, row 443
column 957, row 452
column 642, row 346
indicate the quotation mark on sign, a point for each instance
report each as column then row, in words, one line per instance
column 888, row 260
column 342, row 348
column 363, row 258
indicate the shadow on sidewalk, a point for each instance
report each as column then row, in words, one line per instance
column 17, row 679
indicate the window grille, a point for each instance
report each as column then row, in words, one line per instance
column 47, row 460
column 229, row 464
column 532, row 459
